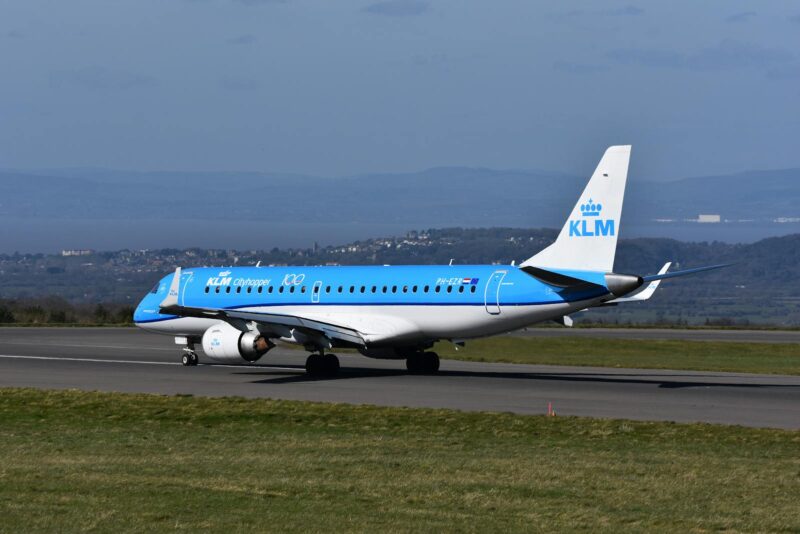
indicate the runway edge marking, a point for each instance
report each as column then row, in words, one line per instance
column 137, row 362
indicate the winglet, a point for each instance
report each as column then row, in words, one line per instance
column 171, row 299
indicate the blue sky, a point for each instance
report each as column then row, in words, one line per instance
column 339, row 88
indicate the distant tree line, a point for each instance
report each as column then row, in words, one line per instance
column 57, row 311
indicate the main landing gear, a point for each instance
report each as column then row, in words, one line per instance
column 189, row 358
column 422, row 363
column 321, row 364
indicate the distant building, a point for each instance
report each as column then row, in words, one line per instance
column 77, row 252
column 709, row 218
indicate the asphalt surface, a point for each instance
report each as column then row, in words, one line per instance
column 130, row 360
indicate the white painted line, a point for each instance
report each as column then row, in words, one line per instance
column 141, row 362
column 90, row 360
column 121, row 347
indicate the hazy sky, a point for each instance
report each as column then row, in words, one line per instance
column 345, row 87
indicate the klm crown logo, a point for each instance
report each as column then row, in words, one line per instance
column 591, row 211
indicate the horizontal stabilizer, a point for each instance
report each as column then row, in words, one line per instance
column 664, row 276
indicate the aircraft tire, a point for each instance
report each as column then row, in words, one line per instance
column 422, row 363
column 314, row 365
column 319, row 365
column 431, row 362
column 186, row 360
column 331, row 365
column 413, row 363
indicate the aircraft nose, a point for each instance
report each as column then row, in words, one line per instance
column 139, row 314
column 147, row 310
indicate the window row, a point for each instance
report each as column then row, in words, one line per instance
column 344, row 289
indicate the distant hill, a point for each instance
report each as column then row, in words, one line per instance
column 763, row 287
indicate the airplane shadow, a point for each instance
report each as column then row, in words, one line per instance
column 283, row 376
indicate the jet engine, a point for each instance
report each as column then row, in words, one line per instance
column 225, row 343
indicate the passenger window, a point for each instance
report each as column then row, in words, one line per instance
column 239, row 289
column 216, row 289
column 328, row 289
column 269, row 289
column 460, row 289
column 425, row 289
column 449, row 289
column 374, row 289
column 303, row 289
column 316, row 289
column 405, row 289
column 291, row 289
column 414, row 289
column 438, row 289
column 384, row 289
column 352, row 289
column 340, row 289
column 280, row 289
column 472, row 289
column 363, row 289
column 394, row 289
column 207, row 289
column 249, row 289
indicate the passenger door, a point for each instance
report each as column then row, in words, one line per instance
column 492, row 293
column 315, row 291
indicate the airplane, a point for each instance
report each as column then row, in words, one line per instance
column 398, row 312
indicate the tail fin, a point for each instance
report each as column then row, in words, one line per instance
column 588, row 240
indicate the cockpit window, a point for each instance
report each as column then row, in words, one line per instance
column 155, row 288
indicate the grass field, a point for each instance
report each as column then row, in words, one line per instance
column 774, row 358
column 111, row 462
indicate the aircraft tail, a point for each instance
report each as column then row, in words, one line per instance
column 588, row 240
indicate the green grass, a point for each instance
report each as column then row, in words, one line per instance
column 112, row 462
column 775, row 358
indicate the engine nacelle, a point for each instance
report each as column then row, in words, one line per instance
column 225, row 343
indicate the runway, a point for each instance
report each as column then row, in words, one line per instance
column 130, row 360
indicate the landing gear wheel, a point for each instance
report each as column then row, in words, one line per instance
column 422, row 363
column 414, row 363
column 431, row 362
column 189, row 359
column 322, row 365
column 331, row 365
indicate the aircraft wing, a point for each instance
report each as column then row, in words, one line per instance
column 283, row 323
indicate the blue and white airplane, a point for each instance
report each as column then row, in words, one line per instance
column 398, row 312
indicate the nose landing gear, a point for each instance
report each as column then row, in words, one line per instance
column 189, row 357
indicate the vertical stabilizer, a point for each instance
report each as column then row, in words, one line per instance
column 588, row 240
